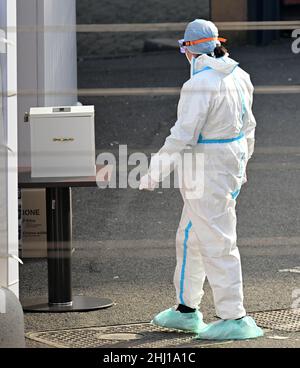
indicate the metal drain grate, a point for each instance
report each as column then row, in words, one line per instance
column 287, row 320
column 145, row 335
column 142, row 335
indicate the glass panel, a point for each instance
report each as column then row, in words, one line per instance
column 3, row 157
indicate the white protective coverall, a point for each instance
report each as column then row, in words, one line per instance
column 215, row 105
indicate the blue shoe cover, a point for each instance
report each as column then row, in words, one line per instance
column 189, row 322
column 241, row 329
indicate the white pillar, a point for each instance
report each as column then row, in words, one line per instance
column 58, row 69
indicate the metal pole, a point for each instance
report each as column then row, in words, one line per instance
column 59, row 237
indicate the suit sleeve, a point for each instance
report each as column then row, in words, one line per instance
column 193, row 109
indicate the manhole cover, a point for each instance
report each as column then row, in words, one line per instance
column 145, row 335
column 287, row 320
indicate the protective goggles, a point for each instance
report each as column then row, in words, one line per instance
column 183, row 44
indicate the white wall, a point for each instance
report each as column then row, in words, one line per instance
column 9, row 175
column 47, row 60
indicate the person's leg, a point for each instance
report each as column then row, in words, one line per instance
column 188, row 279
column 214, row 219
column 222, row 263
column 189, row 274
column 225, row 278
column 213, row 215
column 215, row 231
column 221, row 258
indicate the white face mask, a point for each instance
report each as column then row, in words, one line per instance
column 191, row 60
column 188, row 59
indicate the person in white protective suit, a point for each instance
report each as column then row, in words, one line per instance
column 214, row 118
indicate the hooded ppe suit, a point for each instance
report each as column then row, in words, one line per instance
column 214, row 118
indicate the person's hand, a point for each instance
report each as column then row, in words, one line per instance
column 147, row 183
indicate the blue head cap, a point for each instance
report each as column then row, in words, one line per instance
column 199, row 29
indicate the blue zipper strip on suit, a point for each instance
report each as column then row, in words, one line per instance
column 211, row 141
column 235, row 194
column 186, row 237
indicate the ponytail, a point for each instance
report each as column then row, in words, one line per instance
column 220, row 51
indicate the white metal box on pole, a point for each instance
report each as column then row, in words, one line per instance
column 62, row 141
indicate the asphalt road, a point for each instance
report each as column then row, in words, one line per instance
column 124, row 238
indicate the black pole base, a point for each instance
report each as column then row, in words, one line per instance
column 79, row 304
